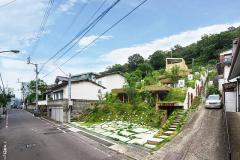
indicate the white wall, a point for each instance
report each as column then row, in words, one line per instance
column 230, row 101
column 85, row 90
column 111, row 82
column 226, row 73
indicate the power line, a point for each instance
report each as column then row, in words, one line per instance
column 6, row 4
column 99, row 36
column 42, row 25
column 74, row 20
column 78, row 36
column 76, row 42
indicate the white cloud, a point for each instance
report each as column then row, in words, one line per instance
column 19, row 23
column 87, row 40
column 121, row 55
column 69, row 4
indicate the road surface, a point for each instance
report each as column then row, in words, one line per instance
column 24, row 137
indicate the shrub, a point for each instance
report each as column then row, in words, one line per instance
column 176, row 95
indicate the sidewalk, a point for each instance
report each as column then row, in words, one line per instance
column 234, row 134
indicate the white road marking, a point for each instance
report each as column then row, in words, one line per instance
column 7, row 120
column 61, row 130
column 73, row 129
column 4, row 152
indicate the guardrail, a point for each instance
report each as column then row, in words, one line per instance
column 227, row 138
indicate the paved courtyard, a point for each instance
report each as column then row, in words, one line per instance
column 125, row 132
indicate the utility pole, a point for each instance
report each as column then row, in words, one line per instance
column 23, row 90
column 36, row 79
column 69, row 100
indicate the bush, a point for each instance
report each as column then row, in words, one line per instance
column 212, row 89
column 143, row 114
column 176, row 95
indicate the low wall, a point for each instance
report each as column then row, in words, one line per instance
column 80, row 105
column 193, row 92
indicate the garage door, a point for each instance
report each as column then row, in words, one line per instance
column 57, row 114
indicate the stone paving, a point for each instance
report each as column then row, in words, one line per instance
column 126, row 132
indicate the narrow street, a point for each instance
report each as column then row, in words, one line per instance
column 24, row 137
column 201, row 138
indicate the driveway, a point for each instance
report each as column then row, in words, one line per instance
column 201, row 139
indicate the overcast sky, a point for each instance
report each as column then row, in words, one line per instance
column 155, row 25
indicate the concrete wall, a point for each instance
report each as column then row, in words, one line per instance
column 111, row 82
column 194, row 91
column 80, row 106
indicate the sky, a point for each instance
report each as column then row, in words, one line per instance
column 156, row 25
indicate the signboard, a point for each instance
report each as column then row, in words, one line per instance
column 190, row 77
column 167, row 104
column 181, row 83
column 229, row 87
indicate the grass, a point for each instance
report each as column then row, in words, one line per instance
column 142, row 114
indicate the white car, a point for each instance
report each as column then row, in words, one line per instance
column 213, row 101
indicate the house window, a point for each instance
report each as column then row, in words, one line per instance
column 58, row 95
column 100, row 82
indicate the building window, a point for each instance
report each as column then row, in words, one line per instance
column 100, row 82
column 58, row 95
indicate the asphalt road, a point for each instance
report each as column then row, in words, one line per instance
column 24, row 137
column 201, row 139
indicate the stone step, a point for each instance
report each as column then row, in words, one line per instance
column 173, row 126
column 172, row 129
column 150, row 146
column 163, row 136
column 154, row 141
column 175, row 123
column 168, row 133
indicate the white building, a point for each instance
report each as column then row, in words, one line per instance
column 111, row 81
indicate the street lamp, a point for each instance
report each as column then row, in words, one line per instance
column 13, row 51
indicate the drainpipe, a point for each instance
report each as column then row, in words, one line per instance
column 237, row 105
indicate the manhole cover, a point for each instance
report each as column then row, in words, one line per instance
column 30, row 145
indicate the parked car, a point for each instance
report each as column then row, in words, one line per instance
column 213, row 101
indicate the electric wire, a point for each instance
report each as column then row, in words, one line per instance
column 112, row 26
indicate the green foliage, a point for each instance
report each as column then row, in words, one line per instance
column 42, row 87
column 176, row 95
column 190, row 83
column 157, row 59
column 145, row 68
column 117, row 68
column 142, row 114
column 212, row 89
column 174, row 74
column 134, row 61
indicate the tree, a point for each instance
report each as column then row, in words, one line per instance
column 116, row 68
column 42, row 87
column 145, row 68
column 134, row 61
column 157, row 59
column 175, row 73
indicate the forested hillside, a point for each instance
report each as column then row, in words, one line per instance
column 204, row 51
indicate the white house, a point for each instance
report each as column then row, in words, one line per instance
column 86, row 89
column 111, row 81
column 81, row 89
